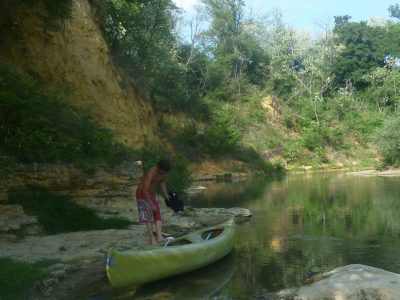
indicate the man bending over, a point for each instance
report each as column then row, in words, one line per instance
column 148, row 206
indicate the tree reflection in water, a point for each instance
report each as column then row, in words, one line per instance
column 307, row 224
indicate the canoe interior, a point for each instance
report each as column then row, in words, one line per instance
column 180, row 242
column 211, row 234
column 205, row 236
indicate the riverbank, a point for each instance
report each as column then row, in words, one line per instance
column 78, row 258
column 384, row 173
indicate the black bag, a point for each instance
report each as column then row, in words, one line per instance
column 174, row 202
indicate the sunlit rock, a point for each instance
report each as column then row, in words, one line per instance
column 352, row 282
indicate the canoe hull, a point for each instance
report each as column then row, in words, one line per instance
column 137, row 267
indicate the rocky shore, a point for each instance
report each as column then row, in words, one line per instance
column 79, row 261
column 78, row 258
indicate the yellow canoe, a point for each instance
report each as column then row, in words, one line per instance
column 181, row 255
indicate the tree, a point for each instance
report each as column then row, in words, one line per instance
column 306, row 62
column 384, row 85
column 387, row 139
column 394, row 11
column 341, row 21
column 237, row 57
column 140, row 37
column 366, row 48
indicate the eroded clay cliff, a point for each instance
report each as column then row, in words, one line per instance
column 77, row 55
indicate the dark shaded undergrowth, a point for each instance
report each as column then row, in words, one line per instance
column 58, row 214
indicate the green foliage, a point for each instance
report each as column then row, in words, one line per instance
column 342, row 103
column 39, row 126
column 256, row 161
column 56, row 12
column 387, row 139
column 221, row 136
column 60, row 9
column 293, row 149
column 313, row 138
column 238, row 58
column 317, row 137
column 321, row 154
column 283, row 87
column 140, row 37
column 363, row 123
column 56, row 9
column 394, row 11
column 366, row 49
column 216, row 140
column 58, row 214
column 17, row 277
column 217, row 76
column 190, row 142
column 383, row 89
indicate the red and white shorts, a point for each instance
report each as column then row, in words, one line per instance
column 146, row 215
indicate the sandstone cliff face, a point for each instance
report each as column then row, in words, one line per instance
column 74, row 55
column 77, row 55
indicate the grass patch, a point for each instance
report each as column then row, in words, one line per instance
column 17, row 277
column 58, row 214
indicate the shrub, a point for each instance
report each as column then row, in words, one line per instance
column 61, row 9
column 363, row 124
column 320, row 152
column 387, row 139
column 315, row 137
column 256, row 161
column 293, row 149
column 221, row 136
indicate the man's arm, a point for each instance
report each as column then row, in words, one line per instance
column 164, row 189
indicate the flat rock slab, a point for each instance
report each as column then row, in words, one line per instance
column 351, row 282
column 74, row 245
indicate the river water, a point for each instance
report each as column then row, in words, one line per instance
column 302, row 224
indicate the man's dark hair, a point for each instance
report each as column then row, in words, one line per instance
column 164, row 165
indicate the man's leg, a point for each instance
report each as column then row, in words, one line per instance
column 160, row 238
column 149, row 227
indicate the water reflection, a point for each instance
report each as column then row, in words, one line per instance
column 312, row 223
column 229, row 194
column 196, row 285
column 200, row 284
